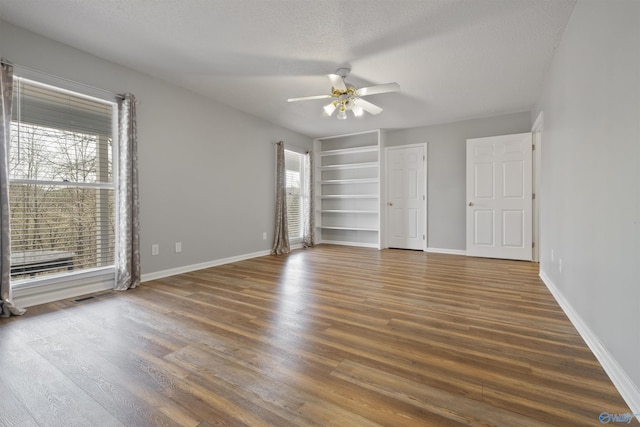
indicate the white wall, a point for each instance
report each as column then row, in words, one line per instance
column 206, row 171
column 446, row 170
column 590, row 207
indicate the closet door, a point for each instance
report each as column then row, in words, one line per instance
column 499, row 197
column 406, row 197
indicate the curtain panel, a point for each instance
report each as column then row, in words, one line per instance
column 281, row 234
column 7, row 308
column 128, row 226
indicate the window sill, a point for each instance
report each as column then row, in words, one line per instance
column 30, row 292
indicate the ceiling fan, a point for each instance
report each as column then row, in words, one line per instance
column 348, row 98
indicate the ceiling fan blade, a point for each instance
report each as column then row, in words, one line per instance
column 337, row 82
column 372, row 90
column 307, row 98
column 367, row 106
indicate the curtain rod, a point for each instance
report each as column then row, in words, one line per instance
column 33, row 70
column 294, row 146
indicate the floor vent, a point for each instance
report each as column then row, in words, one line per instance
column 91, row 297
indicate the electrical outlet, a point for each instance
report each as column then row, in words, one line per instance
column 560, row 265
column 264, row 236
column 155, row 249
column 178, row 247
column 553, row 258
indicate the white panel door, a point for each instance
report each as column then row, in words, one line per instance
column 499, row 207
column 406, row 213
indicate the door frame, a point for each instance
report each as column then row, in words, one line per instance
column 536, row 131
column 383, row 200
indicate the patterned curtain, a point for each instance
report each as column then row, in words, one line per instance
column 127, row 227
column 308, row 222
column 7, row 308
column 281, row 238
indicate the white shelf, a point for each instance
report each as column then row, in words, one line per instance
column 349, row 196
column 350, row 166
column 348, row 211
column 329, row 227
column 342, row 151
column 349, row 243
column 351, row 181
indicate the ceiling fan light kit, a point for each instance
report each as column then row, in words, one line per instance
column 348, row 98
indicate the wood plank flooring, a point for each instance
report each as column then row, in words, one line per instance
column 327, row 336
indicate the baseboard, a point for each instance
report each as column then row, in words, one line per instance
column 447, row 251
column 627, row 388
column 193, row 267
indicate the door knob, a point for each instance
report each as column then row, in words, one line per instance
column 389, row 203
column 470, row 203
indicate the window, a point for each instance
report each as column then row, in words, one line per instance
column 294, row 166
column 61, row 189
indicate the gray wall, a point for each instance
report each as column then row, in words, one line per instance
column 446, row 170
column 206, row 171
column 590, row 207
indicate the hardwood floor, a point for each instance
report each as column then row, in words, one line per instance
column 327, row 336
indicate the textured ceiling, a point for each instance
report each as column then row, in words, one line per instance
column 453, row 59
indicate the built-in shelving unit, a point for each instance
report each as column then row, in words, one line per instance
column 347, row 184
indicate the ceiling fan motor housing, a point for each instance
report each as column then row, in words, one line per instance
column 343, row 72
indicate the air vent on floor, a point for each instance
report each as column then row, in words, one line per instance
column 92, row 297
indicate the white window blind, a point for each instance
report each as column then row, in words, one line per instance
column 61, row 192
column 293, row 163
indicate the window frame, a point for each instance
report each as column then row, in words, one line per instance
column 63, row 284
column 295, row 240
